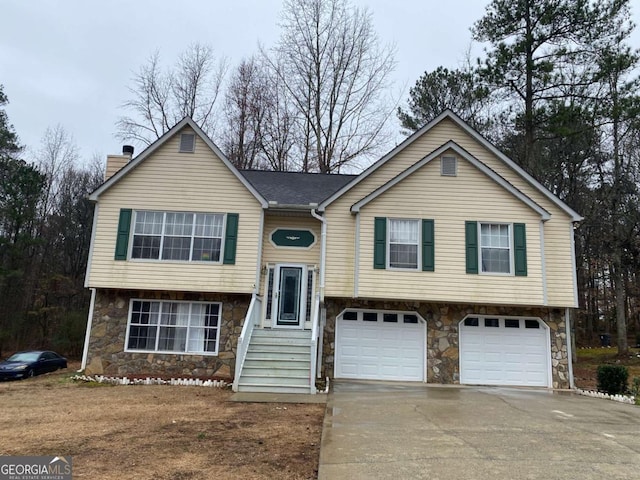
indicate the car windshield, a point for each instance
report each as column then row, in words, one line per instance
column 24, row 357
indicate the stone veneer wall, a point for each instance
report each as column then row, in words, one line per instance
column 442, row 334
column 106, row 345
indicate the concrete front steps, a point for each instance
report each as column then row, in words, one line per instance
column 277, row 361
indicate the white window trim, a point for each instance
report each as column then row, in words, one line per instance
column 511, row 252
column 162, row 237
column 171, row 352
column 388, row 245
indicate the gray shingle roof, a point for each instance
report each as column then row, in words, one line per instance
column 295, row 188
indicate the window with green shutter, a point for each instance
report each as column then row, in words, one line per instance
column 406, row 244
column 231, row 239
column 471, row 240
column 520, row 249
column 380, row 243
column 428, row 246
column 496, row 248
column 122, row 239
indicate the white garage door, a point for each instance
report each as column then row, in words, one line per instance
column 504, row 351
column 380, row 345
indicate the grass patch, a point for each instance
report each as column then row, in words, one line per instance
column 589, row 359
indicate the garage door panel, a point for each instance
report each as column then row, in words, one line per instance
column 380, row 350
column 504, row 355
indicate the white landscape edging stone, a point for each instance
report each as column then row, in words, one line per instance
column 616, row 398
column 150, row 381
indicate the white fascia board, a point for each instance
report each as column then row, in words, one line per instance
column 373, row 167
column 575, row 217
column 451, row 145
column 161, row 141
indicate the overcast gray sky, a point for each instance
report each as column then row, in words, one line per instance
column 70, row 62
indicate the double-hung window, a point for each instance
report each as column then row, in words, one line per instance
column 403, row 244
column 495, row 248
column 174, row 327
column 404, row 240
column 178, row 236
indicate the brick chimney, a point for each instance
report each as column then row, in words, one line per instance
column 116, row 162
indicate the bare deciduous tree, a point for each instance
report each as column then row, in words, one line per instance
column 335, row 73
column 58, row 153
column 245, row 109
column 161, row 98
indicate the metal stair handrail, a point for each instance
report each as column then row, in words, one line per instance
column 315, row 323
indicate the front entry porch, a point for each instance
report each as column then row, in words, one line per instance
column 279, row 345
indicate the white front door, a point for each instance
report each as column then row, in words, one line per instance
column 289, row 301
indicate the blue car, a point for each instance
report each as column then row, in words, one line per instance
column 30, row 364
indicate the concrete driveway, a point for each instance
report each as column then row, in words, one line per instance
column 413, row 431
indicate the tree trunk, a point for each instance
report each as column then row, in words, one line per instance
column 621, row 317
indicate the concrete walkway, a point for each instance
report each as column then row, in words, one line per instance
column 413, row 431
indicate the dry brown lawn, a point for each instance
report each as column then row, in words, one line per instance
column 158, row 432
column 585, row 369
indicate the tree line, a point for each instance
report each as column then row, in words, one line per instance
column 556, row 90
column 45, row 230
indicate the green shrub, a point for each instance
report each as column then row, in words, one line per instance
column 612, row 379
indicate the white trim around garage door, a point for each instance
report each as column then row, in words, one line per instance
column 487, row 350
column 380, row 345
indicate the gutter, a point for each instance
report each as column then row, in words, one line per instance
column 87, row 335
column 323, row 250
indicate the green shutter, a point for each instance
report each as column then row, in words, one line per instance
column 122, row 239
column 428, row 250
column 471, row 239
column 231, row 239
column 380, row 243
column 520, row 249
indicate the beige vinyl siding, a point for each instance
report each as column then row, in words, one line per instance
column 172, row 181
column 450, row 201
column 557, row 233
column 341, row 223
column 273, row 254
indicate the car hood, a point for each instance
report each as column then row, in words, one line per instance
column 7, row 365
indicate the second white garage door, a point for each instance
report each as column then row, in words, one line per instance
column 380, row 345
column 504, row 351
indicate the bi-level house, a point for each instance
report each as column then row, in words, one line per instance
column 443, row 262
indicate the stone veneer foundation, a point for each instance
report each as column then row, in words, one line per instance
column 109, row 328
column 442, row 334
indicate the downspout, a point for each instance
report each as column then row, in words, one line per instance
column 567, row 325
column 323, row 250
column 356, row 267
column 256, row 287
column 87, row 335
column 543, row 265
